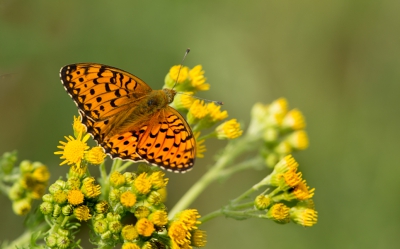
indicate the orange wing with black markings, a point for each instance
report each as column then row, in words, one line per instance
column 110, row 101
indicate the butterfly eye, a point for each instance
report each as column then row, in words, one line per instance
column 151, row 102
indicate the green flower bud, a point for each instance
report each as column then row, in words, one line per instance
column 25, row 166
column 16, row 192
column 57, row 210
column 63, row 242
column 7, row 162
column 48, row 198
column 46, row 208
column 113, row 217
column 67, row 210
column 101, row 207
column 100, row 226
column 51, row 240
column 54, row 188
column 115, row 226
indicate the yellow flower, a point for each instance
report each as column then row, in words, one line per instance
column 157, row 179
column 22, row 206
column 199, row 238
column 279, row 213
column 302, row 192
column 183, row 74
column 189, row 218
column 287, row 163
column 229, row 130
column 294, row 119
column 89, row 188
column 279, row 106
column 178, row 233
column 198, row 80
column 215, row 112
column 95, row 156
column 159, row 218
column 292, row 178
column 101, row 207
column 117, row 179
column 142, row 212
column 82, row 213
column 142, row 184
column 75, row 197
column 298, row 140
column 130, row 245
column 304, row 216
column 128, row 199
column 41, row 174
column 200, row 146
column 183, row 101
column 60, row 197
column 163, row 194
column 197, row 111
column 76, row 171
column 262, row 202
column 78, row 127
column 144, row 227
column 73, row 150
column 129, row 232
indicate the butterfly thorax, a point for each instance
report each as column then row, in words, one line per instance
column 141, row 111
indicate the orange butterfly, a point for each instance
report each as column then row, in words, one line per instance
column 129, row 119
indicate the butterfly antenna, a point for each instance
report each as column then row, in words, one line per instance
column 207, row 100
column 186, row 53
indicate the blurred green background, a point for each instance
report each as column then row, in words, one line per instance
column 337, row 61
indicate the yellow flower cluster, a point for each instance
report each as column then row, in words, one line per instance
column 200, row 115
column 282, row 130
column 143, row 197
column 290, row 188
column 183, row 230
column 31, row 184
column 75, row 196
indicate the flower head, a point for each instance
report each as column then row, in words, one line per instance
column 95, row 155
column 197, row 78
column 229, row 130
column 279, row 212
column 82, row 213
column 200, row 146
column 74, row 150
column 75, row 197
column 129, row 232
column 142, row 183
column 144, row 227
column 179, row 233
column 78, row 127
column 294, row 120
column 128, row 199
column 304, row 216
column 199, row 238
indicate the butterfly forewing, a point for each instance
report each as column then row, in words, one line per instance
column 105, row 95
column 101, row 91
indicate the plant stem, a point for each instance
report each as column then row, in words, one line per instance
column 211, row 216
column 251, row 163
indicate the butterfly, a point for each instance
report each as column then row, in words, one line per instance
column 128, row 119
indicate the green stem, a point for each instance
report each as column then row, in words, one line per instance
column 25, row 238
column 231, row 151
column 246, row 194
column 124, row 166
column 211, row 216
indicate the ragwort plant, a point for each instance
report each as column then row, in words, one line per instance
column 77, row 199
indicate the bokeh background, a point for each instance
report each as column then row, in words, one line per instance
column 337, row 61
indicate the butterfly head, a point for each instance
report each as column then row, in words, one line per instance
column 170, row 93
